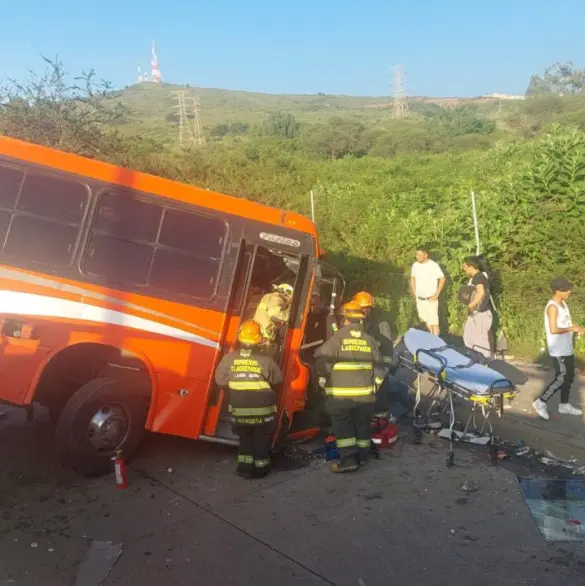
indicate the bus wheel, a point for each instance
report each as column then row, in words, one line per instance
column 103, row 416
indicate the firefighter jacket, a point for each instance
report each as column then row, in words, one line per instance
column 250, row 378
column 272, row 308
column 351, row 364
column 379, row 329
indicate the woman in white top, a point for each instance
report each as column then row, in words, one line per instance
column 559, row 338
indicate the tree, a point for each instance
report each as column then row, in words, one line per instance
column 219, row 130
column 279, row 124
column 561, row 79
column 338, row 138
column 74, row 114
column 462, row 120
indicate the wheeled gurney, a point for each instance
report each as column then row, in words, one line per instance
column 453, row 373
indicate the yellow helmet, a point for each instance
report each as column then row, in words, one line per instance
column 285, row 288
column 364, row 299
column 352, row 310
column 250, row 333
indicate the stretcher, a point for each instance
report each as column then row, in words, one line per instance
column 455, row 373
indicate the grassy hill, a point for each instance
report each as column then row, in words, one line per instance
column 382, row 186
column 154, row 111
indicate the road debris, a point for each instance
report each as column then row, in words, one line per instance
column 98, row 563
column 469, row 486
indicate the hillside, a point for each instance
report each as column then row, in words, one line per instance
column 381, row 186
column 154, row 111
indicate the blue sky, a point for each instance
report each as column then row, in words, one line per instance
column 447, row 47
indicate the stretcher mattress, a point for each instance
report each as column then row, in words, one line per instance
column 432, row 355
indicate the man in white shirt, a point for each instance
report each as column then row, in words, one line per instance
column 426, row 283
column 559, row 339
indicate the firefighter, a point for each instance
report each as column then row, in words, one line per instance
column 250, row 377
column 272, row 312
column 379, row 329
column 352, row 369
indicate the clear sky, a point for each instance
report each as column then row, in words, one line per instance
column 447, row 47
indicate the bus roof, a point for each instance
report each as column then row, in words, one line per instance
column 152, row 184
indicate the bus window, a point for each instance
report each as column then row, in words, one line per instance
column 10, row 182
column 183, row 274
column 193, row 233
column 34, row 239
column 141, row 244
column 53, row 198
column 41, row 217
column 117, row 260
column 129, row 219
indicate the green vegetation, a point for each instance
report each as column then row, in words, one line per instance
column 382, row 186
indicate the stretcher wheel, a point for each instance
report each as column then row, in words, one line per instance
column 494, row 453
column 418, row 436
column 450, row 459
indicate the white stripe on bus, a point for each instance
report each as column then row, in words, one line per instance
column 17, row 303
column 15, row 275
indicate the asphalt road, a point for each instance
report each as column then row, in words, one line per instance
column 187, row 519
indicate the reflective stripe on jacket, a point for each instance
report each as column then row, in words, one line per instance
column 353, row 363
column 250, row 378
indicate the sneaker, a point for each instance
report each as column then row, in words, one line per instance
column 541, row 408
column 568, row 409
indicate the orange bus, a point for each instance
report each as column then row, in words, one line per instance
column 120, row 291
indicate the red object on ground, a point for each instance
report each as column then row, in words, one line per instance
column 120, row 471
column 384, row 433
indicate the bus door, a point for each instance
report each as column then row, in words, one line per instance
column 259, row 268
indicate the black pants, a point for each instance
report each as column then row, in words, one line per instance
column 254, row 450
column 564, row 376
column 350, row 424
column 382, row 403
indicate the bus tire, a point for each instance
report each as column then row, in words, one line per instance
column 103, row 416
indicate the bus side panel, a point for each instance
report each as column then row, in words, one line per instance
column 19, row 361
column 183, row 391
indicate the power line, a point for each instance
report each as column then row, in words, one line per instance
column 185, row 130
column 399, row 104
column 189, row 133
column 198, row 137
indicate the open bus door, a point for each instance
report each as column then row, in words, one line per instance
column 328, row 290
column 258, row 268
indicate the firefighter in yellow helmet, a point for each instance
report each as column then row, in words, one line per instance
column 273, row 311
column 377, row 327
column 352, row 368
column 250, row 378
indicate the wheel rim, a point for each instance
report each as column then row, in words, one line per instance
column 108, row 428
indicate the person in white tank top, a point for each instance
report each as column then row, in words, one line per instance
column 559, row 339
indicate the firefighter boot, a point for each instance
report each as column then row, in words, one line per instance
column 338, row 467
column 245, row 470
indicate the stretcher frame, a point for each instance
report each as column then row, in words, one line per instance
column 444, row 392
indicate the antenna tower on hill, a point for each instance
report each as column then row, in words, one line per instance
column 156, row 77
column 399, row 104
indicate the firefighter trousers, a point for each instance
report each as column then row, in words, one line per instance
column 350, row 424
column 254, row 450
